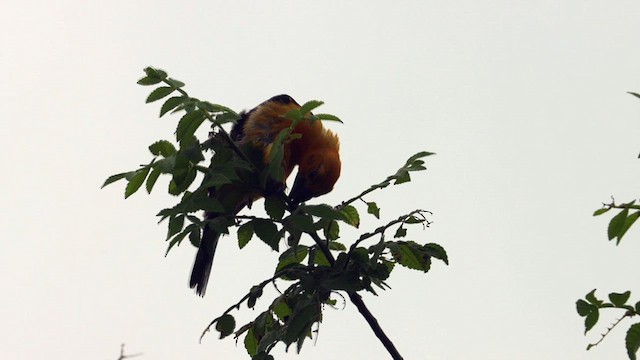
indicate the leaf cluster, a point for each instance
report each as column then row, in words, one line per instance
column 316, row 264
column 590, row 307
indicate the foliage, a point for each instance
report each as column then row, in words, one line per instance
column 590, row 306
column 315, row 272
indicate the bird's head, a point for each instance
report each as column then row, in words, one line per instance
column 318, row 172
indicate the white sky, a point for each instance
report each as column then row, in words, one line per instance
column 523, row 101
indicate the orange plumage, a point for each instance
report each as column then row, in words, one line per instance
column 316, row 153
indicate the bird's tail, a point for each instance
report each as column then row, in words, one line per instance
column 204, row 260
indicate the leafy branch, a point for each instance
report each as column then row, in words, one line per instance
column 315, row 264
column 590, row 306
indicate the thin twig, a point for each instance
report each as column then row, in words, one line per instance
column 627, row 314
column 360, row 305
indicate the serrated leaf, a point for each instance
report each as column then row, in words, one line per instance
column 328, row 117
column 155, row 73
column 591, row 298
column 410, row 255
column 632, row 340
column 162, row 147
column 275, row 207
column 176, row 224
column 584, row 308
column 351, row 215
column 619, row 299
column 616, row 224
column 267, row 232
column 601, row 211
column 591, row 319
column 159, row 93
column 436, row 251
column 332, row 230
column 151, row 180
column 251, row 342
column 188, row 124
column 293, row 115
column 372, row 208
column 194, row 235
column 400, row 233
column 245, row 233
column 325, row 212
column 225, row 325
column 172, row 103
column 301, row 222
column 293, row 255
column 299, row 323
column 114, row 178
column 175, row 83
column 136, row 181
column 146, row 81
column 627, row 224
column 309, row 106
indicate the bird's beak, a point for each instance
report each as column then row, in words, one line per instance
column 299, row 192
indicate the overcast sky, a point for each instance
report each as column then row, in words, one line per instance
column 523, row 101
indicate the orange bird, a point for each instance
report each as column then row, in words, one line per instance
column 315, row 153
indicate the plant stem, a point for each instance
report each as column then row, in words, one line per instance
column 362, row 308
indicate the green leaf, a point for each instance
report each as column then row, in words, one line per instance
column 162, row 147
column 325, row 211
column 309, row 106
column 301, row 222
column 334, row 245
column 591, row 298
column 245, row 233
column 155, row 73
column 634, row 94
column 275, row 207
column 172, row 103
column 176, row 224
column 293, row 255
column 136, row 181
column 601, row 211
column 194, row 235
column 151, row 180
column 175, row 83
column 267, row 232
column 617, row 224
column 372, row 208
column 254, row 294
column 300, row 322
column 251, row 342
column 410, row 254
column 281, row 309
column 632, row 339
column 618, row 299
column 332, row 230
column 351, row 215
column 188, row 124
column 637, row 308
column 225, row 325
column 400, row 233
column 436, row 251
column 159, row 93
column 627, row 224
column 114, row 178
column 591, row 319
column 328, row 117
column 584, row 308
column 146, row 81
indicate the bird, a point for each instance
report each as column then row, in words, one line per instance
column 313, row 149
